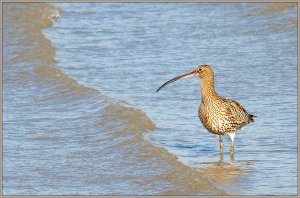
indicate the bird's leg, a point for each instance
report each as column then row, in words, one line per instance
column 232, row 152
column 231, row 135
column 221, row 144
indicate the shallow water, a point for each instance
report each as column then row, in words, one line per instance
column 81, row 115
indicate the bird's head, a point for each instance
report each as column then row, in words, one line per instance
column 201, row 71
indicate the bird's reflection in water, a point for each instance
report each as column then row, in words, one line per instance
column 226, row 173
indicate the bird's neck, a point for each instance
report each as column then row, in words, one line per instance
column 208, row 89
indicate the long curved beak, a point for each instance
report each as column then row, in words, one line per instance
column 193, row 73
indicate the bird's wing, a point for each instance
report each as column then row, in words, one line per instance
column 236, row 111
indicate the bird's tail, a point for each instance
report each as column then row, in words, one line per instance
column 252, row 117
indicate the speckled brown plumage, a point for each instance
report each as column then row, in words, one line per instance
column 218, row 115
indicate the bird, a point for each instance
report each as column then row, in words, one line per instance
column 220, row 116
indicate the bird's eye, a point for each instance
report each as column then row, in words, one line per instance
column 199, row 69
